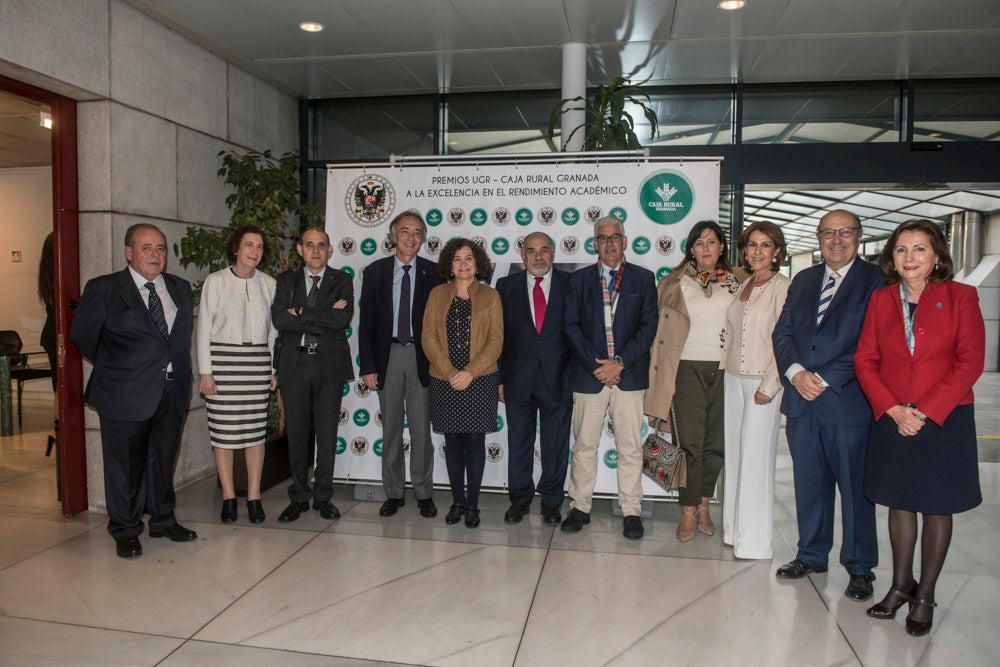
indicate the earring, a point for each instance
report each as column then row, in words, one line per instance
column 935, row 266
column 774, row 260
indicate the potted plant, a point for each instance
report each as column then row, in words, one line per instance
column 608, row 125
column 265, row 193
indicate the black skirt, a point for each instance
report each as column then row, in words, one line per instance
column 933, row 472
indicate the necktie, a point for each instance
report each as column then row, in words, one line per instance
column 538, row 296
column 403, row 322
column 825, row 297
column 311, row 299
column 156, row 309
column 611, row 283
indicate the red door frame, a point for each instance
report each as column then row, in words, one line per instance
column 66, row 241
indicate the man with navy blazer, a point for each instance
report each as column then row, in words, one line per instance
column 134, row 326
column 610, row 324
column 827, row 415
column 393, row 362
column 533, row 368
column 312, row 309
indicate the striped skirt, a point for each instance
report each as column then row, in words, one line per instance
column 237, row 415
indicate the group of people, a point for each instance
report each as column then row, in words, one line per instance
column 877, row 396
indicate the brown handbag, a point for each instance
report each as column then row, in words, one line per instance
column 663, row 460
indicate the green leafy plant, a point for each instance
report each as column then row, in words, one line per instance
column 608, row 125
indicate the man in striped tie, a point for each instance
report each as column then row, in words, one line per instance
column 827, row 414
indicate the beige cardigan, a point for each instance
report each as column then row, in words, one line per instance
column 760, row 314
column 486, row 338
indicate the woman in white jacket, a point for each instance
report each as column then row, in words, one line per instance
column 753, row 394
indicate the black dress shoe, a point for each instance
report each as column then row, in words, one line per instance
column 228, row 511
column 797, row 569
column 472, row 517
column 128, row 547
column 575, row 521
column 326, row 509
column 255, row 511
column 632, row 528
column 391, row 506
column 886, row 611
column 455, row 514
column 175, row 533
column 293, row 511
column 428, row 509
column 515, row 513
column 551, row 515
column 919, row 628
column 859, row 587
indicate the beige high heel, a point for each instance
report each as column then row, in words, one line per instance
column 687, row 535
column 710, row 528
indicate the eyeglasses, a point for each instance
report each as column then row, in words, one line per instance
column 614, row 238
column 843, row 232
column 315, row 246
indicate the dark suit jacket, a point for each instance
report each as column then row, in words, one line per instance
column 634, row 328
column 114, row 331
column 829, row 348
column 376, row 322
column 327, row 323
column 525, row 351
column 948, row 352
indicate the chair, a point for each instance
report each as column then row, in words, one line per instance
column 20, row 370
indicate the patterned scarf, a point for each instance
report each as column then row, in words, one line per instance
column 705, row 278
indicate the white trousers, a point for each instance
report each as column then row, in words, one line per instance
column 588, row 424
column 751, row 446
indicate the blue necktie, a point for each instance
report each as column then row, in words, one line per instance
column 156, row 309
column 825, row 297
column 611, row 282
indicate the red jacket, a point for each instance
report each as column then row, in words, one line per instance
column 948, row 351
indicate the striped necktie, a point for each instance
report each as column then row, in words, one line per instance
column 826, row 296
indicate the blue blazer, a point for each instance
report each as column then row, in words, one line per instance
column 634, row 327
column 829, row 348
column 525, row 351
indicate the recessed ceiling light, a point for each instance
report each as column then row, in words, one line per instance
column 311, row 26
column 732, row 4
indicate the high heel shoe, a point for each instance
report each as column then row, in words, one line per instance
column 255, row 511
column 919, row 628
column 884, row 611
column 704, row 530
column 228, row 510
column 687, row 535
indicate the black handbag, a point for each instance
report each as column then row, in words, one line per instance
column 663, row 460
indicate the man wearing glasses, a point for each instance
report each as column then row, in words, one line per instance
column 610, row 324
column 312, row 309
column 827, row 415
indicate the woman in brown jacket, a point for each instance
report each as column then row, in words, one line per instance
column 462, row 338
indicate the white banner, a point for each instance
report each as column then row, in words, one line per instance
column 497, row 203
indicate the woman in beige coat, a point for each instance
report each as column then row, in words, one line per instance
column 753, row 394
column 685, row 372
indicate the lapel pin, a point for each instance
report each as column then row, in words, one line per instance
column 939, row 305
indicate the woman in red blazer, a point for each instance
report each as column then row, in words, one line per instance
column 920, row 352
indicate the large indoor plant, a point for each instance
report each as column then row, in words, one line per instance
column 608, row 125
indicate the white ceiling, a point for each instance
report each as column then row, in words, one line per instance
column 394, row 47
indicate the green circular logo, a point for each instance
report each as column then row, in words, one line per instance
column 377, row 447
column 500, row 246
column 666, row 197
column 368, row 246
column 347, row 389
column 499, row 423
column 348, row 331
column 348, row 270
column 357, row 362
column 362, row 417
column 341, row 445
column 611, row 458
column 664, row 271
column 570, row 216
column 588, row 245
column 524, row 216
column 641, row 245
column 478, row 217
column 618, row 212
column 434, row 217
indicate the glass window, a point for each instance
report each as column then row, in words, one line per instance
column 515, row 122
column 690, row 117
column 956, row 110
column 372, row 128
column 827, row 113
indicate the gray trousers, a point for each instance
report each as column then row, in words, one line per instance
column 404, row 398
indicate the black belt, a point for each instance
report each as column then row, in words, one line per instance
column 309, row 349
column 399, row 342
column 169, row 375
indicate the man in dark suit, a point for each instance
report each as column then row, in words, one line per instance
column 134, row 326
column 827, row 415
column 311, row 311
column 610, row 324
column 533, row 377
column 393, row 295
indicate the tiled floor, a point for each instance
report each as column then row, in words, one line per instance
column 407, row 590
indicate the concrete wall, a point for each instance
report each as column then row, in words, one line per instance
column 154, row 111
